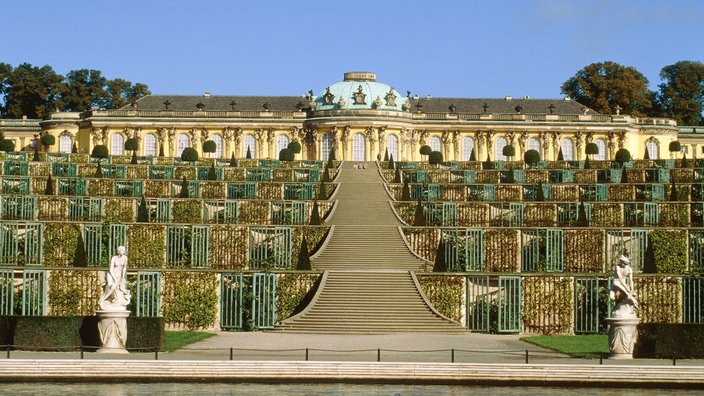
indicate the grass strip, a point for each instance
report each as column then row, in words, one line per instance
column 588, row 346
column 174, row 340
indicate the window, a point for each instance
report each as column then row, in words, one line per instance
column 534, row 144
column 567, row 147
column 117, row 144
column 249, row 143
column 435, row 143
column 499, row 149
column 359, row 147
column 601, row 143
column 65, row 144
column 325, row 146
column 467, row 148
column 218, row 146
column 282, row 142
column 150, row 145
column 182, row 141
column 392, row 146
column 653, row 149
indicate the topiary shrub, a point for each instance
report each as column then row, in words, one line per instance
column 531, row 158
column 303, row 256
column 189, row 154
column 591, row 149
column 435, row 158
column 209, row 146
column 295, row 146
column 674, row 146
column 622, row 156
column 425, row 150
column 249, row 153
column 286, row 155
column 48, row 140
column 142, row 212
column 7, row 145
column 100, row 151
column 508, row 151
column 131, row 144
column 419, row 217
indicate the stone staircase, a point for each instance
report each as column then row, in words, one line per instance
column 368, row 285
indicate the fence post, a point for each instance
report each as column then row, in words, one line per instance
column 8, row 350
column 378, row 354
column 81, row 351
column 674, row 360
column 526, row 356
column 601, row 358
column 232, row 353
column 453, row 355
column 306, row 354
column 156, row 353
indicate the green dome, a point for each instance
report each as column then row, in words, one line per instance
column 360, row 91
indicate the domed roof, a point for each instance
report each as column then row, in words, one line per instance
column 358, row 91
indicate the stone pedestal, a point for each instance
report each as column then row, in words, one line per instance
column 622, row 337
column 113, row 330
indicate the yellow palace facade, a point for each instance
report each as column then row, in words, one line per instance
column 358, row 118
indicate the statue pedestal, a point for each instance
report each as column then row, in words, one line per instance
column 113, row 330
column 622, row 337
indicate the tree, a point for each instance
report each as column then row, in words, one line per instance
column 473, row 155
column 322, row 190
column 425, row 150
column 681, row 94
column 286, row 155
column 590, row 149
column 120, row 93
column 132, row 145
column 622, row 156
column 74, row 148
column 604, row 87
column 48, row 140
column 419, row 217
column 531, row 158
column 100, row 151
column 189, row 154
column 84, row 89
column 210, row 147
column 6, row 144
column 435, row 158
column 36, row 150
column 161, row 150
column 486, row 165
column 674, row 146
column 440, row 264
column 508, row 151
column 315, row 214
column 30, row 90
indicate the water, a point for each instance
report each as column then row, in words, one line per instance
column 124, row 389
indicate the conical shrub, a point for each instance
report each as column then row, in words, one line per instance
column 582, row 220
column 303, row 256
column 142, row 212
column 98, row 171
column 315, row 214
column 184, row 188
column 405, row 192
column 419, row 218
column 397, row 176
column 440, row 264
column 49, row 190
column 392, row 165
column 233, row 161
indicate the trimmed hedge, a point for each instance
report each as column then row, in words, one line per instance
column 68, row 333
column 663, row 340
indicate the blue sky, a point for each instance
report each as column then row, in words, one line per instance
column 483, row 49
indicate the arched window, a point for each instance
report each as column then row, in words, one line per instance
column 325, row 146
column 251, row 143
column 150, row 145
column 601, row 143
column 653, row 149
column 435, row 143
column 65, row 143
column 117, row 144
column 282, row 142
column 567, row 147
column 182, row 141
column 217, row 138
column 499, row 145
column 359, row 147
column 467, row 148
column 534, row 144
column 392, row 146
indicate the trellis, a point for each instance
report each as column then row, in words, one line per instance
column 542, row 250
column 187, row 246
column 289, row 212
column 71, row 186
column 479, row 302
column 220, row 211
column 33, row 293
column 129, row 188
column 18, row 207
column 696, row 251
column 693, row 299
column 464, row 249
column 147, row 300
column 299, row 191
column 63, row 169
column 270, row 247
column 633, row 242
column 586, row 304
column 7, row 292
column 85, row 208
column 257, row 174
column 263, row 300
column 231, row 291
column 21, row 243
column 239, row 190
column 15, row 184
column 15, row 168
column 509, row 304
column 161, row 172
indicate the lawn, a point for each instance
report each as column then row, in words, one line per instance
column 178, row 339
column 580, row 346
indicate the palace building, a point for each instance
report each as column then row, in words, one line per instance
column 359, row 118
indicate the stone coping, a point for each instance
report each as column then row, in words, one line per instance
column 632, row 376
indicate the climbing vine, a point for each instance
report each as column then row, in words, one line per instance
column 73, row 293
column 445, row 293
column 60, row 240
column 187, row 211
column 190, row 299
column 547, row 305
column 669, row 251
column 291, row 290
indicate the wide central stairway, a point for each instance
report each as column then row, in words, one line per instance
column 368, row 284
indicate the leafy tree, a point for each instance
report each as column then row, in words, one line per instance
column 560, row 156
column 473, row 155
column 440, row 264
column 161, row 150
column 6, row 144
column 591, row 149
column 209, row 146
column 30, row 90
column 322, row 190
column 189, row 154
column 84, row 89
column 508, row 151
column 295, row 146
column 681, row 94
column 435, row 157
column 531, row 157
column 326, row 174
column 74, row 148
column 606, row 85
column 286, row 154
column 487, row 164
column 120, row 93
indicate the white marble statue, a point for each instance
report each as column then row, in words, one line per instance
column 115, row 293
column 622, row 292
